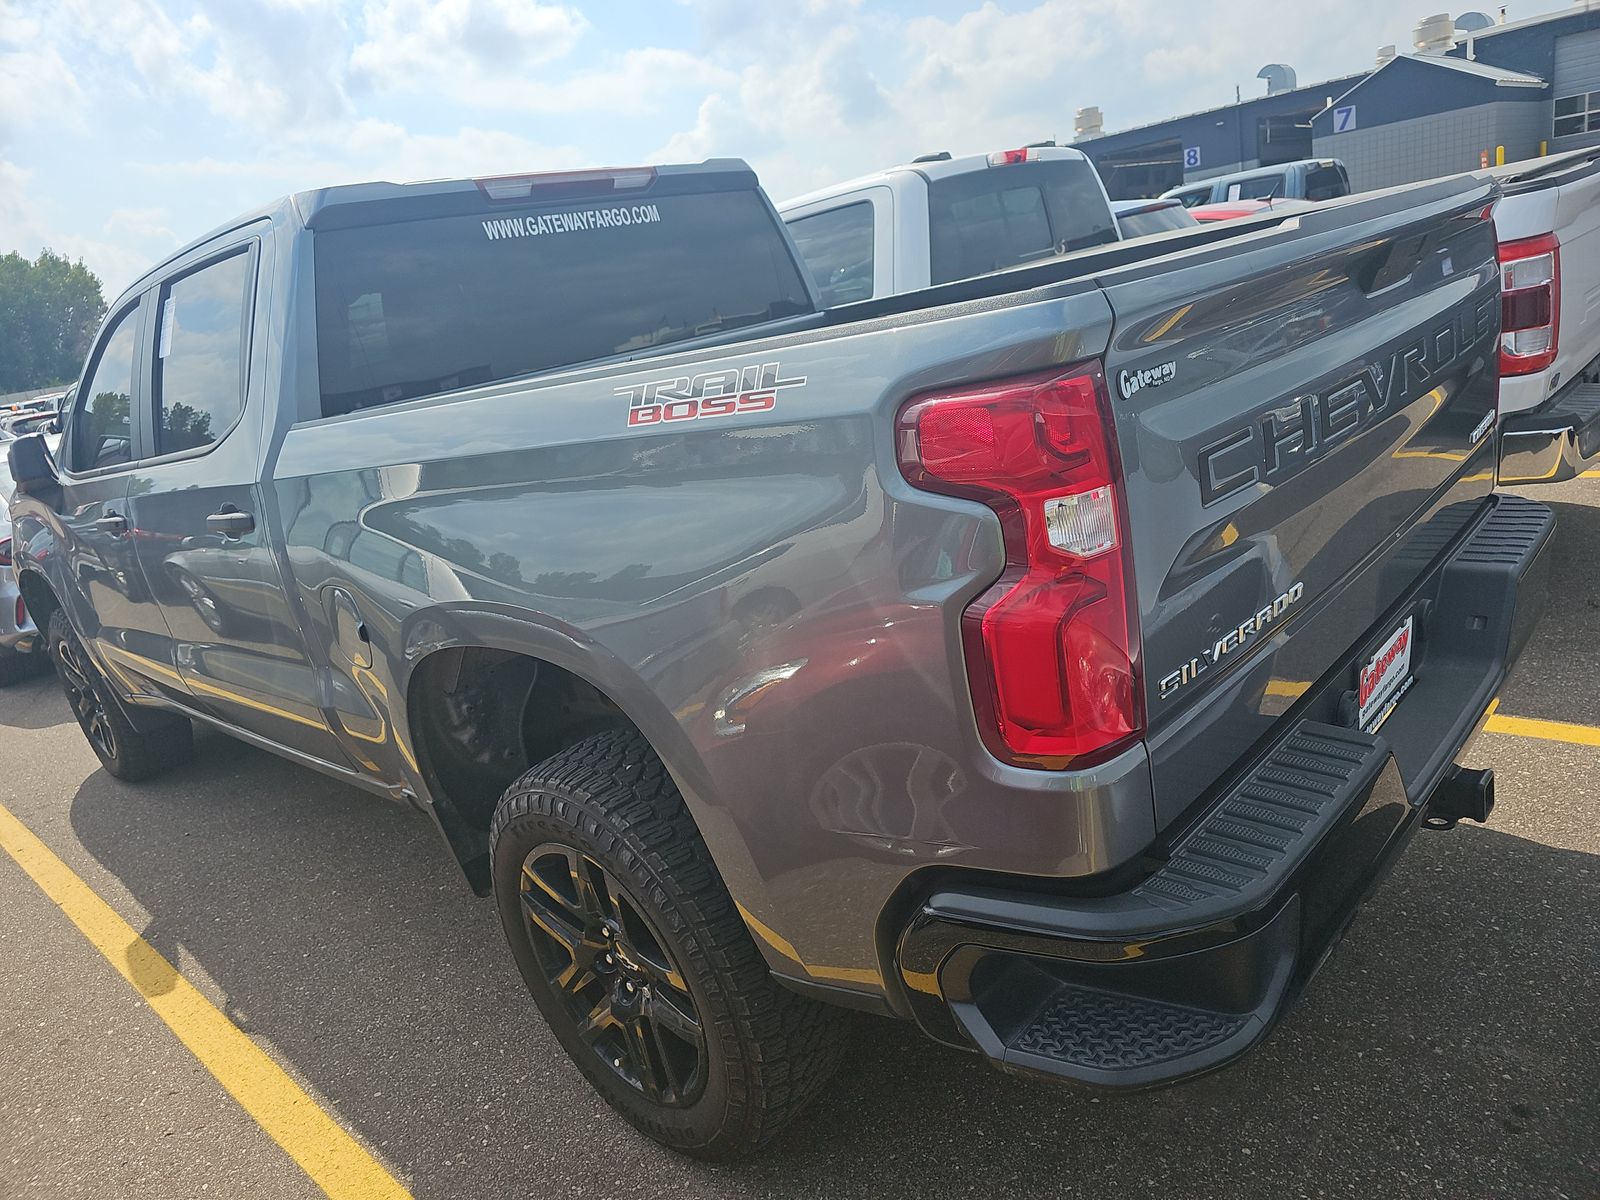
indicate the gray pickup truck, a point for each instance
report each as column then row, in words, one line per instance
column 1054, row 659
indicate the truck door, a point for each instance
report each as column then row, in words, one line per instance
column 105, row 590
column 196, row 501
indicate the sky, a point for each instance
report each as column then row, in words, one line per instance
column 130, row 127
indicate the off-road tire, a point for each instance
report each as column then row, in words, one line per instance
column 124, row 751
column 767, row 1050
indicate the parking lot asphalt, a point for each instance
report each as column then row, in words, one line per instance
column 1449, row 1048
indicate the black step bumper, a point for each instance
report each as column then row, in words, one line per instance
column 1559, row 440
column 1192, row 966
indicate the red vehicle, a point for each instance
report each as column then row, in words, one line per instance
column 1233, row 210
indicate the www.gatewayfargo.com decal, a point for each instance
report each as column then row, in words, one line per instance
column 577, row 221
column 722, row 393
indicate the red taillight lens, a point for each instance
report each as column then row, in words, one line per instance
column 1051, row 648
column 1530, row 304
column 1008, row 158
column 5, row 552
column 22, row 613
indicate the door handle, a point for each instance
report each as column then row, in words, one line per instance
column 113, row 523
column 230, row 522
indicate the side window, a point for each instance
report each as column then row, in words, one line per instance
column 101, row 435
column 837, row 249
column 200, row 352
column 1261, row 187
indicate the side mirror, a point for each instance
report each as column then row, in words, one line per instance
column 54, row 426
column 32, row 467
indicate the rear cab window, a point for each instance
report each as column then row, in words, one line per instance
column 1327, row 183
column 837, row 247
column 410, row 308
column 1156, row 220
column 987, row 220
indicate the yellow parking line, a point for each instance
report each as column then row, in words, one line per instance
column 1590, row 475
column 333, row 1159
column 1548, row 731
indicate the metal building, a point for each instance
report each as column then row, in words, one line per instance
column 1472, row 91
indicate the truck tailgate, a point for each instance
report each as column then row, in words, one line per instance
column 1306, row 421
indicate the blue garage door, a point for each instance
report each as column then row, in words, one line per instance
column 1577, row 91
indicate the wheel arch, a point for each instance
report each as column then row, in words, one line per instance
column 39, row 595
column 440, row 647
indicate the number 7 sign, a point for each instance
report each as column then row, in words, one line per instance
column 1344, row 118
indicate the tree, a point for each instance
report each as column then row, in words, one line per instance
column 49, row 311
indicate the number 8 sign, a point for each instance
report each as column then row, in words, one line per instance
column 1191, row 157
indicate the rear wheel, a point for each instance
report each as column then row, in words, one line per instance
column 123, row 751
column 639, row 960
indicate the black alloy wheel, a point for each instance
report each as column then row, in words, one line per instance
column 611, row 972
column 82, row 685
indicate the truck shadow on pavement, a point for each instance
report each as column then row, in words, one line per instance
column 34, row 703
column 1553, row 680
column 1446, row 1048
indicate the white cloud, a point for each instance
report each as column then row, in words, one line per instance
column 118, row 252
column 417, row 45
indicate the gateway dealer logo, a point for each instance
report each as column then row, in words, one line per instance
column 1131, row 382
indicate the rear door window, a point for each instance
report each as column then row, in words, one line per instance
column 837, row 248
column 200, row 354
column 418, row 307
column 1260, row 187
column 998, row 217
column 101, row 433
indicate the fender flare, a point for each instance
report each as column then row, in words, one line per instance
column 537, row 635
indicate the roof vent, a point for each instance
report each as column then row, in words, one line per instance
column 1472, row 22
column 1386, row 54
column 1434, row 35
column 1280, row 77
column 1088, row 123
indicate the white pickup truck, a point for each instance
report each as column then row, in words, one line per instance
column 937, row 219
column 1548, row 223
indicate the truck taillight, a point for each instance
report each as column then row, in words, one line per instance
column 1530, row 304
column 1008, row 158
column 523, row 187
column 1051, row 647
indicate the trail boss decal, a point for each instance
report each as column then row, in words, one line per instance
column 1229, row 642
column 724, row 393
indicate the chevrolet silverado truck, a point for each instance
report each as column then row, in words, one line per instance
column 1548, row 222
column 1054, row 659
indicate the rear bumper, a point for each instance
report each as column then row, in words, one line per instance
column 1193, row 965
column 1559, row 440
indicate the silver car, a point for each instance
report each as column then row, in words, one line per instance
column 22, row 646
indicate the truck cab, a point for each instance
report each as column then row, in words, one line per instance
column 938, row 219
column 1305, row 179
